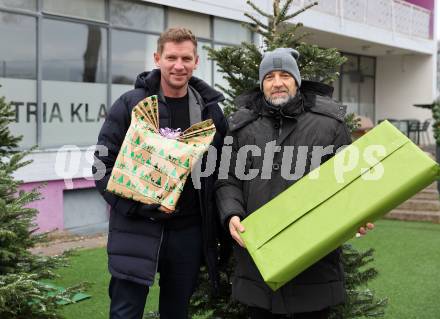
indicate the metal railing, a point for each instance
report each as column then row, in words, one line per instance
column 393, row 15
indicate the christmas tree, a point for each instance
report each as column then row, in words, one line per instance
column 240, row 67
column 361, row 302
column 240, row 64
column 22, row 292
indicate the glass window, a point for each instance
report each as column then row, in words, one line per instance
column 118, row 90
column 137, row 15
column 19, row 4
column 336, row 87
column 366, row 99
column 367, row 66
column 18, row 57
column 74, row 88
column 358, row 77
column 87, row 9
column 218, row 76
column 73, row 112
column 199, row 24
column 350, row 93
column 21, row 93
column 351, row 64
column 74, row 52
column 132, row 53
column 204, row 69
column 230, row 31
column 18, row 73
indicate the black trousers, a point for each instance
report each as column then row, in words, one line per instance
column 259, row 313
column 179, row 264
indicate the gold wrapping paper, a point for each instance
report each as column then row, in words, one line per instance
column 151, row 168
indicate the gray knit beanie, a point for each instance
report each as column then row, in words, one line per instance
column 281, row 59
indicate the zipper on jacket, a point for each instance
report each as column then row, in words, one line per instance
column 281, row 127
column 202, row 213
column 278, row 129
column 158, row 250
column 170, row 115
column 204, row 229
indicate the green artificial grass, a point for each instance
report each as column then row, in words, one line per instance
column 407, row 256
column 91, row 266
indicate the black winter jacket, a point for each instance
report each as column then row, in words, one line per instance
column 312, row 119
column 134, row 238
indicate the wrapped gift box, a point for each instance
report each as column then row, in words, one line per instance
column 322, row 211
column 153, row 164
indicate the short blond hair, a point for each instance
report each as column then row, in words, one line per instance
column 177, row 35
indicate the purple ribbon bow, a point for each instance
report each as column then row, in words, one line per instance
column 170, row 133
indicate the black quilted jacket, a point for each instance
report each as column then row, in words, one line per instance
column 134, row 241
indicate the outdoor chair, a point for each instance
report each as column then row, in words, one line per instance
column 418, row 129
column 399, row 124
column 424, row 131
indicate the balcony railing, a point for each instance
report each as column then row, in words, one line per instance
column 393, row 15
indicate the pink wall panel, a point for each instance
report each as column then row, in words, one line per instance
column 427, row 4
column 50, row 207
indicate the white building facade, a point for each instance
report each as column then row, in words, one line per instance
column 63, row 63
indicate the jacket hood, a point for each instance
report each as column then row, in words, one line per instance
column 317, row 88
column 150, row 81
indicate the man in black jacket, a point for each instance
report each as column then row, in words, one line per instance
column 144, row 239
column 274, row 119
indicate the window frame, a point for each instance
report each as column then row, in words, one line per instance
column 74, row 21
column 22, row 11
column 343, row 74
column 65, row 17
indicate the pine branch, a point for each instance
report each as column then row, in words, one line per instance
column 275, row 6
column 272, row 20
column 254, row 29
column 23, row 296
column 256, row 21
column 259, row 11
column 293, row 15
column 283, row 12
column 21, row 293
column 303, row 35
column 267, row 35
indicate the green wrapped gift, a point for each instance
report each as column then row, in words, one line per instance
column 326, row 208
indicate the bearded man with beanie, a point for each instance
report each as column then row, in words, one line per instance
column 291, row 114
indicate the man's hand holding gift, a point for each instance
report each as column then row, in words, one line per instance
column 236, row 227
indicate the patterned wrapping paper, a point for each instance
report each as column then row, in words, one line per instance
column 315, row 216
column 151, row 167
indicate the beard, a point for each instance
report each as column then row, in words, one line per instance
column 280, row 100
